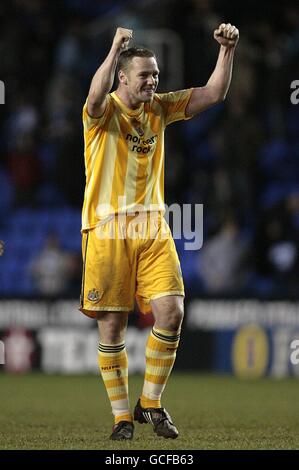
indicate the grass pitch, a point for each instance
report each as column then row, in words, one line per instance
column 211, row 412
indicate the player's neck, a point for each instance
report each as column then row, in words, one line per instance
column 127, row 99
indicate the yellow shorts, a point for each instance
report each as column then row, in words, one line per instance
column 125, row 258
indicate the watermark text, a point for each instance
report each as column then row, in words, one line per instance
column 294, row 358
column 151, row 222
column 2, row 353
column 2, row 92
column 295, row 94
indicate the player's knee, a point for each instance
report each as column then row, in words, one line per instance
column 113, row 332
column 175, row 319
column 171, row 319
column 112, row 328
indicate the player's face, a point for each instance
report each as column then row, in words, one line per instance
column 143, row 78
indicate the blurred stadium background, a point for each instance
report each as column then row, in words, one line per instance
column 240, row 159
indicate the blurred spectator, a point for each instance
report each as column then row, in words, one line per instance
column 63, row 104
column 52, row 270
column 1, row 247
column 200, row 18
column 222, row 259
column 22, row 120
column 25, row 170
column 277, row 246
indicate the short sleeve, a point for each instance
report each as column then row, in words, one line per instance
column 174, row 105
column 90, row 122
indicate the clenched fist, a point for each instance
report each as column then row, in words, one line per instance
column 227, row 35
column 122, row 38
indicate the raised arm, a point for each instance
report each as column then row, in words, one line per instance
column 216, row 88
column 103, row 79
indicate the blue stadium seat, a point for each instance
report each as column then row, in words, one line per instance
column 273, row 194
column 50, row 196
column 272, row 157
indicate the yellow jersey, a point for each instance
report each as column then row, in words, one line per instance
column 124, row 156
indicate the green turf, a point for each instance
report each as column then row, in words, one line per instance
column 211, row 412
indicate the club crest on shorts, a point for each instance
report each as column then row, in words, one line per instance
column 94, row 295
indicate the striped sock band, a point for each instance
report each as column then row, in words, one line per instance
column 113, row 364
column 160, row 356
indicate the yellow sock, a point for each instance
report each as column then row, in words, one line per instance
column 113, row 363
column 160, row 356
